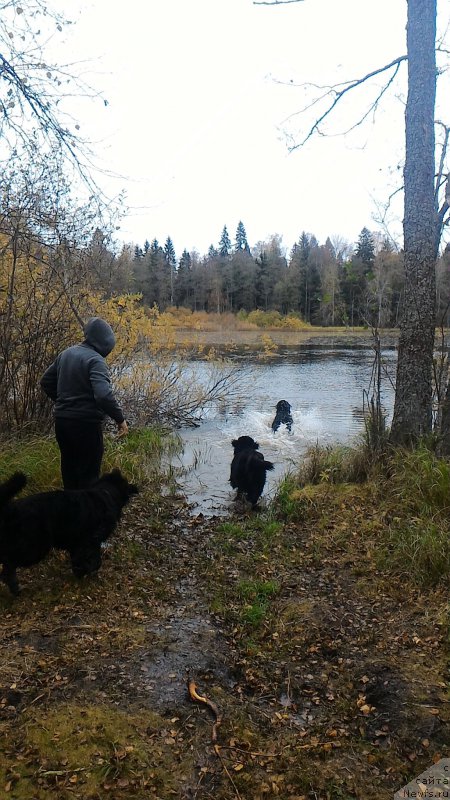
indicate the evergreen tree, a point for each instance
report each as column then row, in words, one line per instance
column 171, row 261
column 241, row 239
column 244, row 289
column 306, row 282
column 225, row 243
column 304, row 247
column 271, row 268
column 365, row 249
column 262, row 282
column 183, row 286
column 353, row 287
column 157, row 275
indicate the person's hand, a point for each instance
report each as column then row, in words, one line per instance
column 122, row 429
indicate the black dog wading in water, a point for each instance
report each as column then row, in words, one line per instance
column 283, row 416
column 248, row 468
column 75, row 520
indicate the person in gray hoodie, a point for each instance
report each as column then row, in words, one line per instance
column 79, row 383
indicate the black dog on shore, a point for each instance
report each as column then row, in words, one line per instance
column 283, row 416
column 248, row 468
column 77, row 521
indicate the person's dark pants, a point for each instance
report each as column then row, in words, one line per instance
column 81, row 447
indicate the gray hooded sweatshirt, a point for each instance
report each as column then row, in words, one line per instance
column 79, row 381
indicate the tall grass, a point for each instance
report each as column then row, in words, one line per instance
column 138, row 455
column 412, row 491
column 37, row 457
column 419, row 550
column 338, row 464
column 420, row 479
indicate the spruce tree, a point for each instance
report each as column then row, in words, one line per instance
column 171, row 261
column 157, row 275
column 225, row 243
column 365, row 249
column 183, row 280
column 241, row 239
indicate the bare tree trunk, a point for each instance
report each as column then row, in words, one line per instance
column 413, row 398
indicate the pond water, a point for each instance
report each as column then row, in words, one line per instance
column 325, row 387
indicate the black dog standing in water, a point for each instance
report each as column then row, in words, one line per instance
column 248, row 468
column 77, row 521
column 283, row 416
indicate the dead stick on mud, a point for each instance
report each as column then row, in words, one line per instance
column 198, row 698
column 227, row 773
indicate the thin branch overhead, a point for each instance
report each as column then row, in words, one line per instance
column 275, row 2
column 335, row 93
column 35, row 116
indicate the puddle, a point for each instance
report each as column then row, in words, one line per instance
column 186, row 645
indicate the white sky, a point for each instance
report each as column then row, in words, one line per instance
column 195, row 119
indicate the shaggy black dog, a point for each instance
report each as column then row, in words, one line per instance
column 283, row 416
column 248, row 468
column 77, row 521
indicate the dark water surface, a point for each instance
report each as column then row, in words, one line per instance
column 325, row 387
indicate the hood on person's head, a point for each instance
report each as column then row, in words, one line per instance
column 99, row 335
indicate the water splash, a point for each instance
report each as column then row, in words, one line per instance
column 325, row 393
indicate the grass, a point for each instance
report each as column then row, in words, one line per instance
column 421, row 481
column 305, row 621
column 408, row 491
column 37, row 457
column 138, row 455
column 77, row 751
column 419, row 550
column 257, row 596
column 315, row 621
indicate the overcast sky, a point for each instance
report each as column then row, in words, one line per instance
column 201, row 95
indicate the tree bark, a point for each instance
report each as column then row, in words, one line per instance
column 412, row 417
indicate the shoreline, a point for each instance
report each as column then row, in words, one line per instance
column 320, row 337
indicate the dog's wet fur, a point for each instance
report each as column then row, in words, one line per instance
column 248, row 469
column 77, row 521
column 283, row 416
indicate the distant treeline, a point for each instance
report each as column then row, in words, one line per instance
column 335, row 283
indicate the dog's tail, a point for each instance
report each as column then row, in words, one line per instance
column 269, row 466
column 11, row 487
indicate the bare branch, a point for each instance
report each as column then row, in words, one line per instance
column 439, row 178
column 33, row 91
column 275, row 2
column 338, row 93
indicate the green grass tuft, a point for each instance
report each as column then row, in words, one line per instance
column 419, row 550
column 257, row 595
column 138, row 455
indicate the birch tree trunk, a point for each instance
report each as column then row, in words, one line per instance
column 412, row 409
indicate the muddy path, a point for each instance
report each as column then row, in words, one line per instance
column 331, row 681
